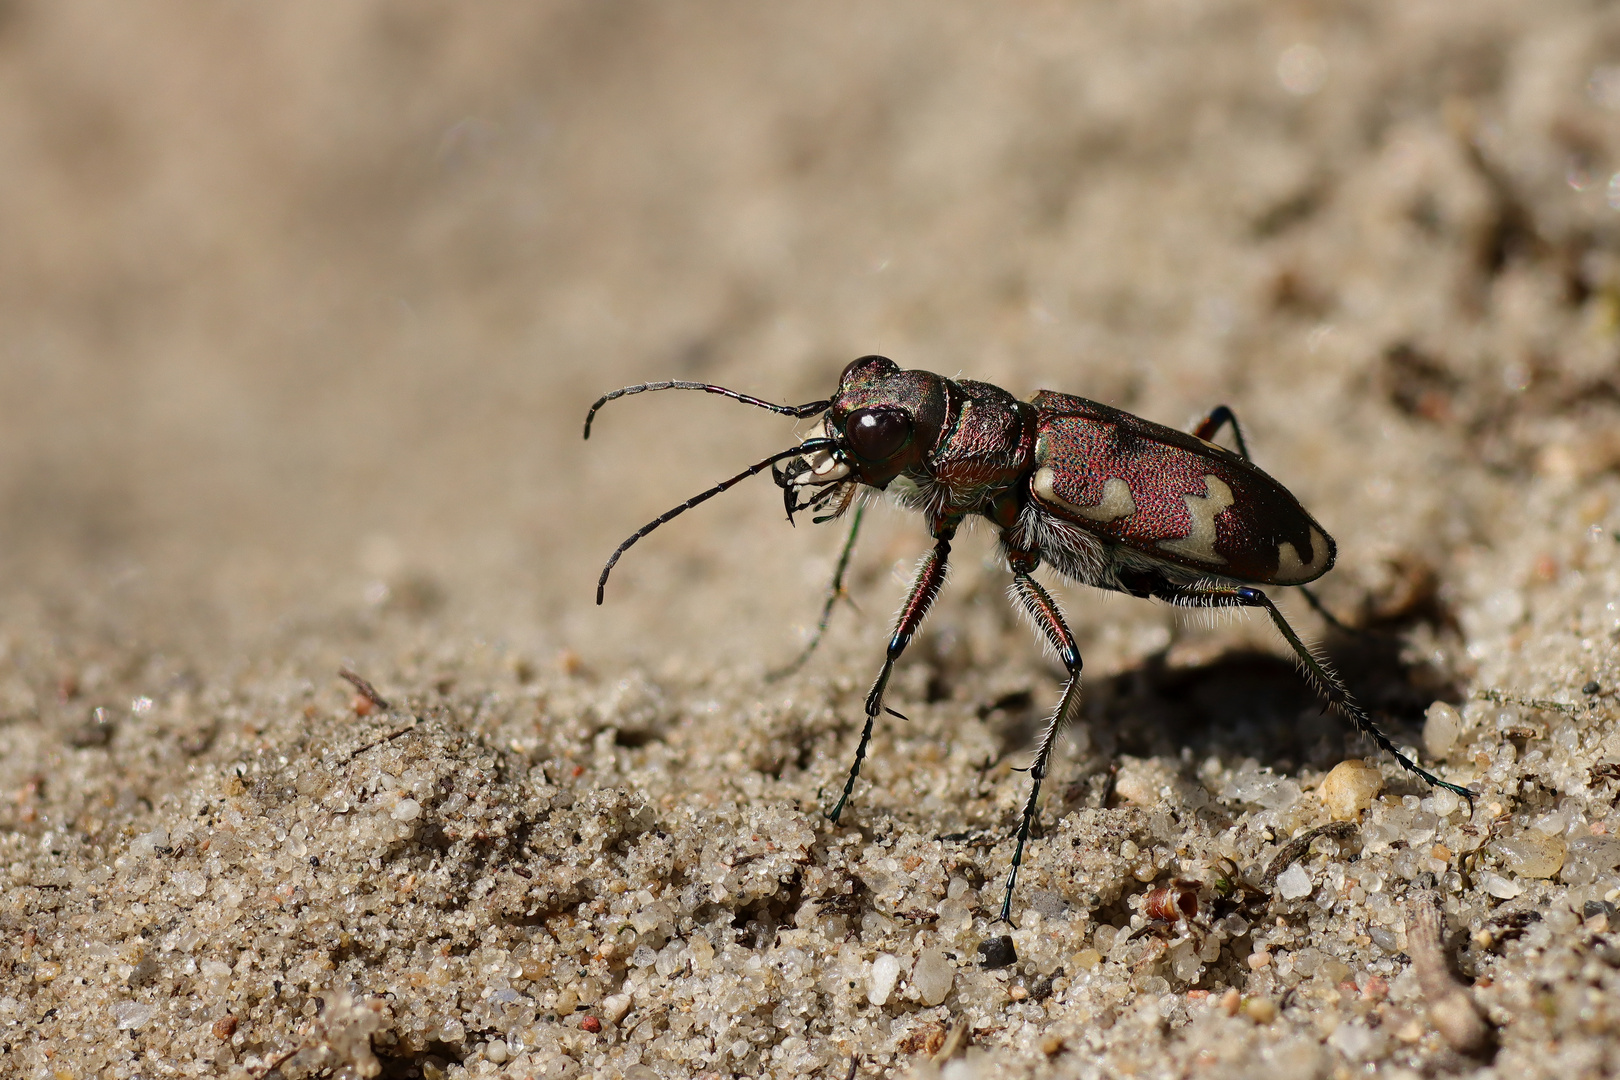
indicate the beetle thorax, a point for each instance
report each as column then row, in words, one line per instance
column 987, row 447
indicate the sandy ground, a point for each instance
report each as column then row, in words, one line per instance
column 304, row 303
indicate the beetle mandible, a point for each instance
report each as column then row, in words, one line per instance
column 1104, row 497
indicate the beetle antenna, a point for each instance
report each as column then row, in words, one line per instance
column 809, row 409
column 809, row 446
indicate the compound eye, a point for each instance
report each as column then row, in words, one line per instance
column 877, row 434
column 868, row 367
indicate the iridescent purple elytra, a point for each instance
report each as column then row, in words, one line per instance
column 1104, row 497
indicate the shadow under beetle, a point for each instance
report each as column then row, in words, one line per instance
column 1104, row 497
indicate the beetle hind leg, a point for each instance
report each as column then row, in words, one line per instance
column 1331, row 619
column 1048, row 619
column 1207, row 429
column 1211, row 425
column 1321, row 677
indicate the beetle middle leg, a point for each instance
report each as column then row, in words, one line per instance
column 1048, row 619
column 930, row 576
column 1325, row 681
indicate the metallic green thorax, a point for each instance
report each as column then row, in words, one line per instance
column 971, row 443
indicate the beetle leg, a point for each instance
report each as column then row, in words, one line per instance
column 1207, row 429
column 834, row 593
column 1325, row 681
column 1332, row 620
column 1211, row 425
column 930, row 576
column 1048, row 619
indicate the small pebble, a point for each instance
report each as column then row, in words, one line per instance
column 1357, row 1041
column 885, row 973
column 96, row 731
column 1350, row 789
column 998, row 952
column 1531, row 854
column 614, row 1006
column 1591, row 688
column 496, row 1051
column 933, row 976
column 1294, row 882
column 1260, row 1010
column 1051, row 1045
column 1441, row 728
column 591, row 1024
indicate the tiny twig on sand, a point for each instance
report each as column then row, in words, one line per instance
column 955, row 1040
column 367, row 691
column 1300, row 846
column 278, row 1061
column 1451, row 1008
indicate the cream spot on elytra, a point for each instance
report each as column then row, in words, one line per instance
column 1116, row 500
column 1291, row 569
column 1199, row 543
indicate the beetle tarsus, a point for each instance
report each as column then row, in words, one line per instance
column 1332, row 689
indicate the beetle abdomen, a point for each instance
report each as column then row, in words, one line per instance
column 1171, row 495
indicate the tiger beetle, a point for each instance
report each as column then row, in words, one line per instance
column 1105, row 498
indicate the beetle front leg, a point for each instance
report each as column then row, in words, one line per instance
column 1325, row 681
column 930, row 576
column 1048, row 619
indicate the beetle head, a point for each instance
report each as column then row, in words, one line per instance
column 885, row 420
column 882, row 422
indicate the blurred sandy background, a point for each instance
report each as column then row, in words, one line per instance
column 301, row 296
column 303, row 305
